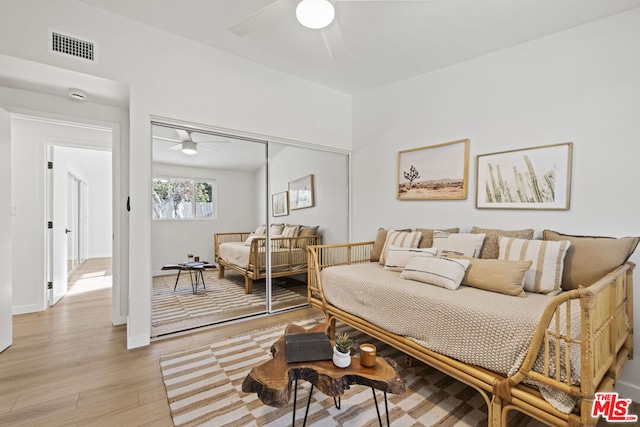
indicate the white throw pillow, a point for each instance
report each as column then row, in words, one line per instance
column 403, row 239
column 545, row 273
column 464, row 244
column 398, row 257
column 443, row 272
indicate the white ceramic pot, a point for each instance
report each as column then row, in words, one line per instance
column 341, row 360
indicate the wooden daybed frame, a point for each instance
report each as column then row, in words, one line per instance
column 606, row 341
column 292, row 258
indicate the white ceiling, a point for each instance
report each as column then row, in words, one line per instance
column 384, row 40
column 214, row 151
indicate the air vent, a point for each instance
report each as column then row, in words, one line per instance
column 72, row 46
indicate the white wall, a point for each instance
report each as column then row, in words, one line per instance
column 216, row 89
column 331, row 197
column 580, row 85
column 236, row 206
column 94, row 168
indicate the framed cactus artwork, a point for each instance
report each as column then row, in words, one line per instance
column 435, row 172
column 529, row 178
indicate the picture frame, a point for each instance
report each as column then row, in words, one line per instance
column 280, row 203
column 301, row 193
column 435, row 172
column 528, row 178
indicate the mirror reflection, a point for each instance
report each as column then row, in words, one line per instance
column 203, row 184
column 230, row 230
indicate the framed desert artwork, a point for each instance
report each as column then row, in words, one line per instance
column 529, row 178
column 436, row 172
column 301, row 193
column 280, row 203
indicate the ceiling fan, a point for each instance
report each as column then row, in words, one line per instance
column 187, row 143
column 315, row 14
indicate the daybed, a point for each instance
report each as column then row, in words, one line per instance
column 244, row 252
column 544, row 355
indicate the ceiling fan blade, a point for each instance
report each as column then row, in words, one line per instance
column 205, row 138
column 269, row 13
column 333, row 41
column 176, row 147
column 183, row 135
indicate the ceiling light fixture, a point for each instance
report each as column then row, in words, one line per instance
column 189, row 147
column 315, row 14
column 77, row 94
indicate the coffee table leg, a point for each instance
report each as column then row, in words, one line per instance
column 386, row 407
column 295, row 401
column 306, row 412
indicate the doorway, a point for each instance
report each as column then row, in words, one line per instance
column 79, row 212
column 76, row 222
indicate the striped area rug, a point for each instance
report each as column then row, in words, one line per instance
column 221, row 295
column 204, row 387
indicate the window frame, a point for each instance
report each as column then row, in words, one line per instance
column 194, row 181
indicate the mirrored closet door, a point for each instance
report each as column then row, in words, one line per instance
column 208, row 188
column 309, row 204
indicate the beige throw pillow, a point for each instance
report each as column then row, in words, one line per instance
column 403, row 239
column 427, row 235
column 306, row 232
column 591, row 257
column 443, row 272
column 464, row 244
column 398, row 257
column 496, row 275
column 545, row 273
column 490, row 249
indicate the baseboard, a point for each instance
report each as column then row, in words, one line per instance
column 25, row 309
column 157, row 273
column 122, row 320
column 628, row 390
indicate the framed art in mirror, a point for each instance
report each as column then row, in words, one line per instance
column 301, row 193
column 280, row 203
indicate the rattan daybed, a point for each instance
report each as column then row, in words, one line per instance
column 288, row 255
column 601, row 339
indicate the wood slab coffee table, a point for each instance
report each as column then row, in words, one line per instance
column 273, row 380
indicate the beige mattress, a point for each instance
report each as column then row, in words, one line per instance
column 482, row 328
column 237, row 253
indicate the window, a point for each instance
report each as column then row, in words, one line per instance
column 182, row 198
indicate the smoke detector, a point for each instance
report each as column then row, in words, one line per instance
column 77, row 94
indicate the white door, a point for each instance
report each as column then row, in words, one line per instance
column 73, row 227
column 6, row 285
column 57, row 203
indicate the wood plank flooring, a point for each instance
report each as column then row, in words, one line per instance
column 68, row 366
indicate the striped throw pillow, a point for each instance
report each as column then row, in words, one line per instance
column 402, row 239
column 443, row 272
column 398, row 257
column 545, row 273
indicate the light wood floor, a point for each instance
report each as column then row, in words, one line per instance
column 68, row 366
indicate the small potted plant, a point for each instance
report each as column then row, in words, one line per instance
column 190, row 256
column 342, row 350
